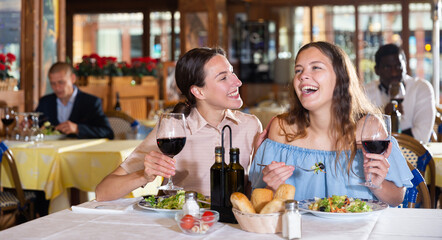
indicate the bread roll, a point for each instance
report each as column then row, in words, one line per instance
column 285, row 192
column 241, row 202
column 276, row 205
column 260, row 197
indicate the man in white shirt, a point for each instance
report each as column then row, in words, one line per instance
column 418, row 107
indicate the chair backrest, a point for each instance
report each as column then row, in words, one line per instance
column 7, row 154
column 419, row 189
column 120, row 123
column 437, row 130
column 419, row 157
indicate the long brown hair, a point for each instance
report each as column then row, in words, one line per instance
column 349, row 104
column 190, row 72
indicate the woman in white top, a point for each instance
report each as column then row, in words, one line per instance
column 205, row 77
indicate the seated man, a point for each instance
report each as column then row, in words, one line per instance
column 418, row 107
column 70, row 110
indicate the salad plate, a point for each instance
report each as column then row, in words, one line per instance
column 168, row 203
column 376, row 206
column 54, row 137
column 146, row 205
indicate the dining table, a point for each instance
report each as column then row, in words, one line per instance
column 56, row 166
column 125, row 219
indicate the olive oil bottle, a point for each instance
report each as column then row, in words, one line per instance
column 217, row 176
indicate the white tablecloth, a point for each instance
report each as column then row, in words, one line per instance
column 138, row 223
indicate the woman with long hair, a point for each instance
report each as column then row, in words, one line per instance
column 206, row 79
column 322, row 130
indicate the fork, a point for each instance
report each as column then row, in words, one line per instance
column 320, row 165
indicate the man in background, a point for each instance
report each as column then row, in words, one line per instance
column 418, row 107
column 71, row 111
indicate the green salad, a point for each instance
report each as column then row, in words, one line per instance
column 173, row 202
column 340, row 204
column 48, row 129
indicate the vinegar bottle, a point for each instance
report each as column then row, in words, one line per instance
column 235, row 174
column 117, row 104
column 395, row 117
column 216, row 178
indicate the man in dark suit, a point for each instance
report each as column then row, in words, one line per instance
column 70, row 110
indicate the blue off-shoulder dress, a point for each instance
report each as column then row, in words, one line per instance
column 334, row 181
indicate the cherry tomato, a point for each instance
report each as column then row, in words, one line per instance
column 208, row 217
column 187, row 222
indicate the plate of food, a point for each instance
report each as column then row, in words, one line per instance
column 169, row 203
column 341, row 207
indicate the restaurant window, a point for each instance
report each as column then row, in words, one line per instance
column 10, row 22
column 161, row 35
column 117, row 34
column 420, row 41
column 378, row 25
column 335, row 24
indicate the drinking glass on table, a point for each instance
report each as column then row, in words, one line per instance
column 376, row 134
column 7, row 115
column 171, row 138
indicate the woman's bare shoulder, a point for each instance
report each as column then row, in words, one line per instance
column 277, row 127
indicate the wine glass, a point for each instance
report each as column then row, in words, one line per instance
column 376, row 134
column 171, row 138
column 396, row 90
column 7, row 115
column 36, row 133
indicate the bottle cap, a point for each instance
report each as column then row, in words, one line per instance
column 291, row 204
column 190, row 194
column 134, row 123
column 234, row 150
column 219, row 150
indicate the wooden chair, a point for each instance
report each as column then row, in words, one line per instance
column 418, row 191
column 436, row 136
column 419, row 157
column 14, row 203
column 120, row 123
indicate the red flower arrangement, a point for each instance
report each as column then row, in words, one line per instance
column 5, row 65
column 94, row 65
column 144, row 66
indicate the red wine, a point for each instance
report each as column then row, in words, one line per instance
column 171, row 146
column 375, row 146
column 7, row 121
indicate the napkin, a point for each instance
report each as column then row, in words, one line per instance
column 118, row 206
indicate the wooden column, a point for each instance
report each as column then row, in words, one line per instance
column 30, row 52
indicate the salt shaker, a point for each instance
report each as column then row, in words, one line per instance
column 291, row 220
column 190, row 205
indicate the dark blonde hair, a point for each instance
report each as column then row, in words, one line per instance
column 61, row 66
column 349, row 104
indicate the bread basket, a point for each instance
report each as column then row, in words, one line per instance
column 259, row 223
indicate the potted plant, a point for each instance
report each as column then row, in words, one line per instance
column 7, row 82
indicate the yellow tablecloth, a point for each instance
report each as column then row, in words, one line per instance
column 54, row 166
column 436, row 150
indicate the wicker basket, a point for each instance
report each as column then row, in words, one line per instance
column 259, row 223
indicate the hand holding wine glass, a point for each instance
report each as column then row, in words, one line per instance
column 376, row 134
column 171, row 138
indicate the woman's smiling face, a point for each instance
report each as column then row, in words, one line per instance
column 221, row 84
column 314, row 80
